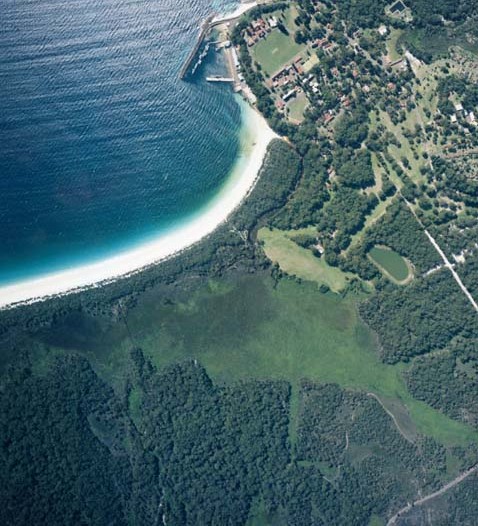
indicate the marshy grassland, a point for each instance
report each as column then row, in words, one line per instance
column 254, row 327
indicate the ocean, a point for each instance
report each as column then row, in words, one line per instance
column 102, row 147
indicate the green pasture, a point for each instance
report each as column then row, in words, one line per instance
column 297, row 108
column 300, row 262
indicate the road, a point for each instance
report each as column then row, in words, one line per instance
column 392, row 416
column 443, row 256
column 431, row 496
column 452, row 270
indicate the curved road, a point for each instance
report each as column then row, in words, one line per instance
column 431, row 496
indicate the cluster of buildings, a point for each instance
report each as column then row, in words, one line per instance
column 287, row 82
column 287, row 74
column 460, row 111
column 259, row 29
column 322, row 43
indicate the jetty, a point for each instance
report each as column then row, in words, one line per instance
column 193, row 60
column 205, row 28
column 218, row 78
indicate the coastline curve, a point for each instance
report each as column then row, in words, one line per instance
column 237, row 187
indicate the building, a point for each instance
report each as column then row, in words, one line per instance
column 398, row 8
column 382, row 31
column 288, row 95
column 273, row 22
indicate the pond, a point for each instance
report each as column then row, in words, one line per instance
column 391, row 262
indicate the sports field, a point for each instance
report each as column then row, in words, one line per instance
column 275, row 51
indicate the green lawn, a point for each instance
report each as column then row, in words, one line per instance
column 299, row 261
column 391, row 262
column 275, row 51
column 392, row 44
column 376, row 214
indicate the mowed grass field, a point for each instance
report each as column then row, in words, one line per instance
column 300, row 262
column 297, row 108
column 275, row 51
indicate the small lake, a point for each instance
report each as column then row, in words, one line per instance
column 390, row 261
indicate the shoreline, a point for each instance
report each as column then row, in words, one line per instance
column 242, row 8
column 255, row 139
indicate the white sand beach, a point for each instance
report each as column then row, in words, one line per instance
column 256, row 138
column 240, row 10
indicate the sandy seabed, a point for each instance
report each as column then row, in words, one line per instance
column 255, row 139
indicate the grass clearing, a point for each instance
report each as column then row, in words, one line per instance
column 392, row 42
column 297, row 108
column 376, row 214
column 290, row 331
column 300, row 262
column 312, row 61
column 275, row 51
column 134, row 403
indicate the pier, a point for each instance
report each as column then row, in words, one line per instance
column 212, row 21
column 223, row 44
column 218, row 78
column 192, row 55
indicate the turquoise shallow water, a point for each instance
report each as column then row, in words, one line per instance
column 101, row 146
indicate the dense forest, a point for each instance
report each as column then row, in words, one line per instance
column 448, row 380
column 424, row 317
column 175, row 448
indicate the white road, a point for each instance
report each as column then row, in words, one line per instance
column 431, row 496
column 452, row 270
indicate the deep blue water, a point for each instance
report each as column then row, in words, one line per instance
column 101, row 145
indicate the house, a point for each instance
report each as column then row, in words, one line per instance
column 458, row 107
column 273, row 22
column 382, row 31
column 471, row 119
column 398, row 8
